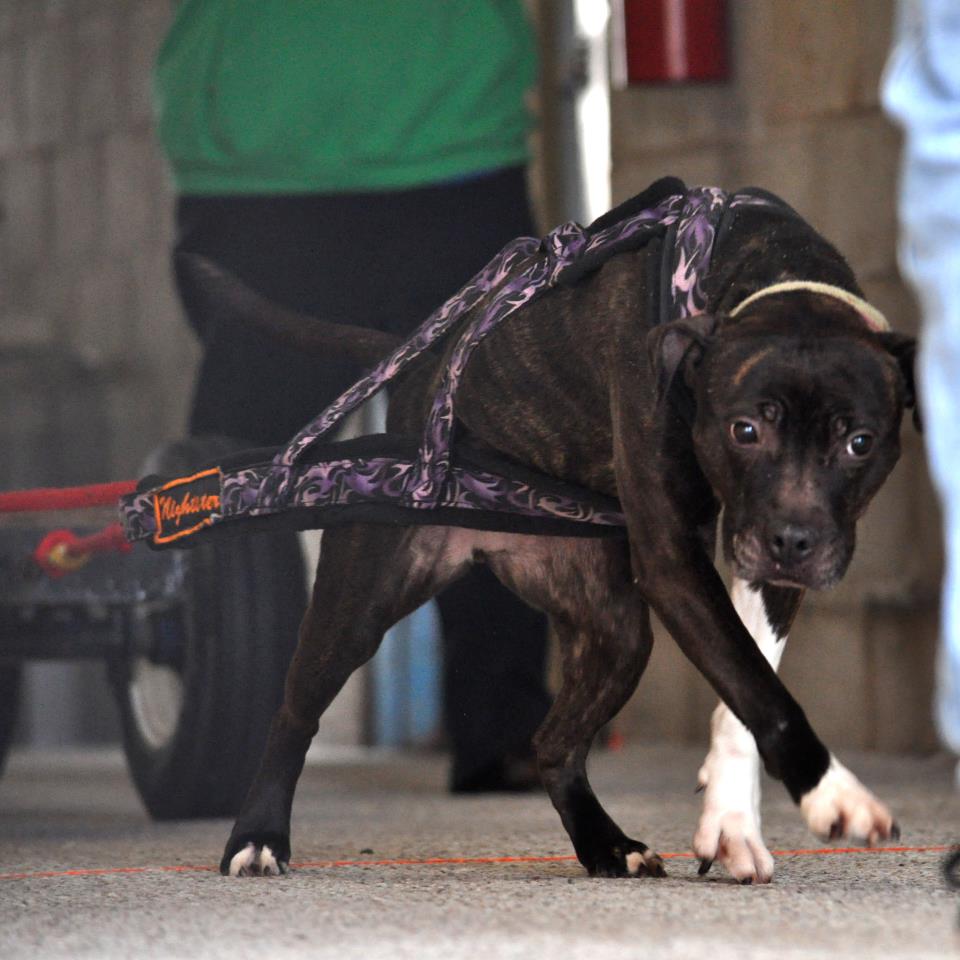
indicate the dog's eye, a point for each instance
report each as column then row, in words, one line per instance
column 744, row 432
column 860, row 444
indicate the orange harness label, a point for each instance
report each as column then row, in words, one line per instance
column 186, row 505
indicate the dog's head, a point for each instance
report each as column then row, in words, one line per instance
column 797, row 420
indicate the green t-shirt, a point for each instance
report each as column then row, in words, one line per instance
column 290, row 96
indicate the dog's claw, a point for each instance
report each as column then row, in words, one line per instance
column 700, row 787
column 895, row 831
column 746, row 882
column 705, row 866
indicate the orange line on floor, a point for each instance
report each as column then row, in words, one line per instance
column 439, row 861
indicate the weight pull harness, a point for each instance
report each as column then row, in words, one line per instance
column 313, row 482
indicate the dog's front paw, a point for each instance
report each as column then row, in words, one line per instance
column 841, row 806
column 251, row 856
column 732, row 837
column 729, row 828
column 622, row 858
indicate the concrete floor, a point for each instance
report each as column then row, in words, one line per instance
column 79, row 812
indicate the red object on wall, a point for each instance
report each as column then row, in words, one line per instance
column 675, row 41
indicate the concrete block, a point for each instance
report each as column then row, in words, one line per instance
column 158, row 327
column 26, row 224
column 24, row 330
column 166, row 227
column 45, row 87
column 25, row 16
column 875, row 21
column 134, row 431
column 19, row 292
column 696, row 166
column 156, row 308
column 857, row 179
column 825, row 668
column 781, row 163
column 806, row 52
column 672, row 702
column 927, row 518
column 54, row 297
column 79, row 9
column 751, row 23
column 53, row 11
column 656, row 119
column 99, row 305
column 95, row 53
column 147, row 22
column 10, row 102
column 78, row 185
column 901, row 651
column 889, row 294
column 132, row 171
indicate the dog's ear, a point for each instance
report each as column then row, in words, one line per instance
column 678, row 346
column 904, row 350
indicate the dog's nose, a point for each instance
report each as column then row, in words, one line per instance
column 791, row 543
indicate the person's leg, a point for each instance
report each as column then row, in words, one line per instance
column 921, row 89
column 494, row 694
column 495, row 646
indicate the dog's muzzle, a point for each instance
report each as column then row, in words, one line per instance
column 789, row 553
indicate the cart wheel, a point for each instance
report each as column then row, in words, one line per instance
column 9, row 701
column 200, row 682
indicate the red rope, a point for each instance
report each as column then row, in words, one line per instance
column 439, row 861
column 61, row 551
column 65, row 498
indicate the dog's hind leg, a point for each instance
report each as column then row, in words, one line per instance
column 600, row 672
column 603, row 628
column 729, row 828
column 368, row 578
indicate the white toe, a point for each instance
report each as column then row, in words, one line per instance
column 268, row 863
column 840, row 805
column 241, row 861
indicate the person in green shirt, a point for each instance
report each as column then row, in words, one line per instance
column 302, row 96
column 358, row 162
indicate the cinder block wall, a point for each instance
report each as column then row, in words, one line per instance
column 86, row 214
column 801, row 117
column 89, row 324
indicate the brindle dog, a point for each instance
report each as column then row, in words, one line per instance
column 785, row 417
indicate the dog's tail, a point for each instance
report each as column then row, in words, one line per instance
column 219, row 300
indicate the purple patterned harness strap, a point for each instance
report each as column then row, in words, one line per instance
column 431, row 480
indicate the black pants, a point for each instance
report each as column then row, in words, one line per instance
column 384, row 260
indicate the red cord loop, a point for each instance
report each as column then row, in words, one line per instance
column 61, row 552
